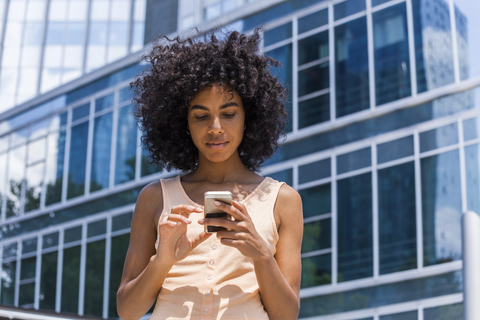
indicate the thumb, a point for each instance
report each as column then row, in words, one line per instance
column 200, row 238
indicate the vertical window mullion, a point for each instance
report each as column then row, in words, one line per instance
column 334, row 221
column 418, row 201
column 375, row 226
column 411, row 47
column 113, row 146
column 83, row 262
column 331, row 51
column 463, row 173
column 453, row 30
column 36, row 297
column 17, row 273
column 138, row 160
column 85, row 37
column 294, row 93
column 106, row 281
column 66, row 160
column 58, row 295
column 371, row 56
column 91, row 122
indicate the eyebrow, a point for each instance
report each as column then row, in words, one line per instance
column 226, row 105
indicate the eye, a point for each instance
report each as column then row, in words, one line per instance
column 229, row 115
column 201, row 117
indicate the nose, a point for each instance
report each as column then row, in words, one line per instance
column 215, row 126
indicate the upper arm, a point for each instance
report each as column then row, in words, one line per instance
column 143, row 231
column 288, row 209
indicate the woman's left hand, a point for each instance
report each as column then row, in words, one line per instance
column 241, row 233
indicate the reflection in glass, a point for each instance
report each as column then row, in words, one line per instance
column 75, row 33
column 3, row 175
column 102, row 138
column 316, row 200
column 104, row 103
column 354, row 160
column 314, row 171
column 440, row 137
column 351, row 67
column 313, row 21
column 317, row 235
column 70, row 279
column 284, row 75
column 147, row 168
column 284, row 176
column 347, row 8
column 392, row 62
column 442, row 208
column 27, row 274
column 433, row 44
column 453, row 311
column 56, row 156
column 33, row 186
column 94, row 274
column 395, row 149
column 73, row 234
column 122, row 221
column 80, row 112
column 137, row 36
column 277, row 34
column 316, row 271
column 471, row 129
column 16, row 171
column 411, row 315
column 8, row 276
column 33, row 34
column 117, row 258
column 96, row 228
column 314, row 111
column 78, row 160
column 472, row 167
column 55, row 33
column 467, row 26
column 397, row 218
column 355, row 239
column 26, row 294
column 48, row 281
column 313, row 79
column 50, row 240
column 313, row 48
column 126, row 146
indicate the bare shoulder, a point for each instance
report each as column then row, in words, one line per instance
column 149, row 203
column 288, row 207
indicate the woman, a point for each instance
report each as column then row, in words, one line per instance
column 213, row 110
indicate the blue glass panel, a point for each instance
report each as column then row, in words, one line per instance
column 15, row 182
column 146, row 167
column 313, row 21
column 411, row 315
column 347, row 8
column 452, row 311
column 354, row 160
column 50, row 240
column 392, row 62
column 441, row 208
column 351, row 67
column 27, row 268
column 472, row 167
column 7, row 294
column 395, row 149
column 33, row 33
column 55, row 33
column 105, row 82
column 277, row 34
column 471, row 129
column 317, row 235
column 48, row 281
column 94, row 274
column 314, row 111
column 121, row 222
column 55, row 163
column 29, row 245
column 316, row 271
column 377, row 2
column 314, row 171
column 117, row 259
column 378, row 125
column 467, row 26
column 313, row 79
column 440, row 137
column 397, row 218
column 433, row 44
column 118, row 33
column 80, row 112
column 26, row 294
column 125, row 94
column 70, row 279
column 316, row 200
column 98, row 33
column 386, row 294
column 354, row 228
column 102, row 140
column 126, row 146
column 284, row 74
column 96, row 228
column 78, row 160
column 313, row 48
column 284, row 176
column 73, row 234
column 104, row 102
column 75, row 33
column 10, row 250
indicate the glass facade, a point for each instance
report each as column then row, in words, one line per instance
column 383, row 147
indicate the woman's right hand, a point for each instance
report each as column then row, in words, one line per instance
column 174, row 244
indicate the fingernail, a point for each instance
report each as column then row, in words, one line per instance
column 191, row 208
column 198, row 209
column 201, row 221
column 173, row 223
column 218, row 203
column 188, row 220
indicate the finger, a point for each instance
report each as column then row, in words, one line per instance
column 185, row 208
column 232, row 235
column 219, row 222
column 178, row 218
column 240, row 207
column 232, row 242
column 234, row 212
column 200, row 238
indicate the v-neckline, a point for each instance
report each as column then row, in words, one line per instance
column 184, row 193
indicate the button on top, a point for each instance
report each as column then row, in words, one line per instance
column 209, row 277
column 206, row 294
column 205, row 311
column 214, row 247
column 211, row 262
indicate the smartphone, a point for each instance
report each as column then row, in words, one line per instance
column 212, row 211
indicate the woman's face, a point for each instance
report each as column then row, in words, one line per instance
column 216, row 120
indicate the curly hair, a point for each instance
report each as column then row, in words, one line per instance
column 179, row 69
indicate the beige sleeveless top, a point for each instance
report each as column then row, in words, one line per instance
column 216, row 281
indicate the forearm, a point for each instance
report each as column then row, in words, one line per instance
column 278, row 297
column 136, row 297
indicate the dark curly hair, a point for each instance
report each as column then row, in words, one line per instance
column 180, row 69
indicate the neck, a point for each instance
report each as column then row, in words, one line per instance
column 218, row 172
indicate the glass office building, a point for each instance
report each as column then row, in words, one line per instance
column 383, row 145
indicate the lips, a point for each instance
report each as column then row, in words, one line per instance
column 217, row 145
